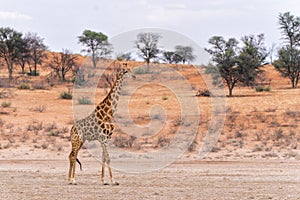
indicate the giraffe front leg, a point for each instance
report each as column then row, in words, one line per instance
column 112, row 182
column 107, row 161
column 103, row 170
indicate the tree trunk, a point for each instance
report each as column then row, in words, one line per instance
column 230, row 91
column 94, row 59
column 35, row 66
column 293, row 82
column 10, row 67
column 23, row 68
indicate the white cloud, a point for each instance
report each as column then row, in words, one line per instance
column 181, row 14
column 6, row 15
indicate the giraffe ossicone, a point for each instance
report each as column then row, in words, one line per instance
column 98, row 126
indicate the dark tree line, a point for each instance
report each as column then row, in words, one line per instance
column 147, row 45
column 236, row 64
column 22, row 50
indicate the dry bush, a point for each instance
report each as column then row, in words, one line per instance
column 278, row 134
column 50, row 127
column 6, row 104
column 35, row 126
column 203, row 93
column 258, row 136
column 39, row 108
column 39, row 86
column 124, row 141
column 45, row 145
column 1, row 123
column 162, row 141
column 193, row 146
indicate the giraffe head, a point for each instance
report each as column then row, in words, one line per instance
column 127, row 71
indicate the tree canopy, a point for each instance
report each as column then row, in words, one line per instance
column 147, row 44
column 288, row 63
column 96, row 44
column 237, row 65
column 11, row 47
column 185, row 53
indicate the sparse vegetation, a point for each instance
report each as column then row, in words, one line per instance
column 66, row 95
column 39, row 108
column 203, row 93
column 263, row 89
column 5, row 104
column 24, row 86
column 84, row 101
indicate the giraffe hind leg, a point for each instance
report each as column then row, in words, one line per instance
column 73, row 158
column 71, row 168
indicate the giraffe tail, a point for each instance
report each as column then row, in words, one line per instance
column 79, row 164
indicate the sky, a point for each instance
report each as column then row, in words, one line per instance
column 61, row 22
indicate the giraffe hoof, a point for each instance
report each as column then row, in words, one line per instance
column 115, row 184
column 105, row 184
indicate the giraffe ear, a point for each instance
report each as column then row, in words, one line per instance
column 125, row 65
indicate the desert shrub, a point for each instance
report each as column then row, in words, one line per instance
column 45, row 145
column 24, row 86
column 39, row 86
column 292, row 113
column 5, row 104
column 1, row 122
column 120, row 141
column 203, row 93
column 278, row 134
column 123, row 141
column 238, row 134
column 215, row 149
column 164, row 98
column 257, row 148
column 66, row 95
column 260, row 88
column 193, row 146
column 140, row 70
column 162, row 141
column 54, row 132
column 267, row 89
column 35, row 126
column 33, row 73
column 84, row 100
column 258, row 136
column 39, row 108
column 51, row 127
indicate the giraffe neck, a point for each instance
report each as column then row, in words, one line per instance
column 107, row 107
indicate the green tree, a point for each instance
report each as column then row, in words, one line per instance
column 124, row 56
column 147, row 44
column 251, row 58
column 36, row 48
column 96, row 44
column 288, row 63
column 168, row 56
column 24, row 56
column 11, row 46
column 224, row 55
column 185, row 53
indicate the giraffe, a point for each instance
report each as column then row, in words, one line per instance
column 98, row 126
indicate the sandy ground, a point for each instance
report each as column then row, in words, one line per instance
column 256, row 157
column 42, row 179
